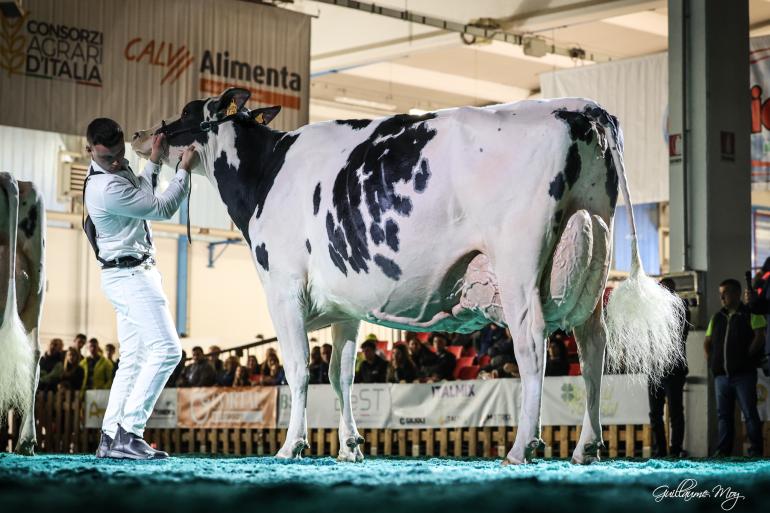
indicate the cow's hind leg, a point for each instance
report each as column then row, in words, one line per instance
column 591, row 338
column 524, row 316
column 28, row 436
column 286, row 312
column 341, row 374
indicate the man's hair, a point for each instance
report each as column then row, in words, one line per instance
column 370, row 344
column 324, row 346
column 93, row 341
column 104, row 131
column 81, row 336
column 197, row 348
column 110, row 346
column 732, row 283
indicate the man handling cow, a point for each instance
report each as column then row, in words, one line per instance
column 119, row 205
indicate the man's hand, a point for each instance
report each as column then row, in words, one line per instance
column 189, row 158
column 158, row 148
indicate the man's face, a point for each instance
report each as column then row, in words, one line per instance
column 110, row 351
column 439, row 343
column 93, row 349
column 214, row 353
column 326, row 353
column 369, row 353
column 730, row 297
column 198, row 354
column 80, row 342
column 110, row 159
column 414, row 346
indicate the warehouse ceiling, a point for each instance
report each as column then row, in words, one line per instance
column 369, row 65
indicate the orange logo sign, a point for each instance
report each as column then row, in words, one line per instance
column 174, row 59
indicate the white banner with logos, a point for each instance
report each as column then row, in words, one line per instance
column 163, row 416
column 66, row 62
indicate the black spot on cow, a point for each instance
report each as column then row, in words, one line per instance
column 390, row 155
column 556, row 189
column 388, row 266
column 580, row 126
column 481, row 150
column 337, row 260
column 261, row 253
column 28, row 224
column 355, row 124
column 572, row 167
column 316, row 198
column 262, row 153
column 307, row 245
column 611, row 185
column 499, row 129
column 391, row 234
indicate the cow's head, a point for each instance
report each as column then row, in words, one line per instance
column 197, row 126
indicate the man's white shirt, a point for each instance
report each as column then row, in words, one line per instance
column 120, row 202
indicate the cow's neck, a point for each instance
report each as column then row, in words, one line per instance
column 246, row 161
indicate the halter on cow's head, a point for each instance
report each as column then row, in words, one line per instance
column 199, row 125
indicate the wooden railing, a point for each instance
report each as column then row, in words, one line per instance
column 60, row 429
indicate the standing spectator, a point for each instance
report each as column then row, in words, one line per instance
column 556, row 363
column 214, row 358
column 671, row 388
column 422, row 357
column 373, row 369
column 226, row 377
column 72, row 373
column 319, row 369
column 401, row 369
column 79, row 342
column 252, row 365
column 200, row 373
column 265, row 369
column 110, row 351
column 178, row 370
column 444, row 367
column 272, row 370
column 326, row 354
column 241, row 378
column 51, row 365
column 734, row 343
column 97, row 369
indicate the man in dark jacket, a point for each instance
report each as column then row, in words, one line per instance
column 422, row 357
column 734, row 343
column 200, row 373
column 373, row 369
column 444, row 367
column 671, row 388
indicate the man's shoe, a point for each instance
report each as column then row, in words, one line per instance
column 129, row 446
column 104, row 445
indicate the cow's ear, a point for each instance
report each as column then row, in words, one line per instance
column 266, row 114
column 232, row 101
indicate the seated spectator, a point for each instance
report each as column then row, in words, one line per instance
column 200, row 373
column 226, row 377
column 556, row 363
column 326, row 354
column 319, row 369
column 241, row 378
column 97, row 369
column 214, row 358
column 501, row 351
column 272, row 370
column 445, row 361
column 110, row 351
column 51, row 365
column 72, row 373
column 372, row 369
column 401, row 369
column 422, row 357
column 178, row 370
column 252, row 365
column 508, row 370
column 488, row 336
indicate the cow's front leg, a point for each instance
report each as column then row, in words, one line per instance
column 341, row 374
column 591, row 339
column 28, row 436
column 529, row 346
column 286, row 312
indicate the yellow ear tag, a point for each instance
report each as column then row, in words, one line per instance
column 260, row 118
column 232, row 108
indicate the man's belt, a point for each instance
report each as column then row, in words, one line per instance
column 125, row 262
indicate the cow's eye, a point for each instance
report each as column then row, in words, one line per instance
column 184, row 113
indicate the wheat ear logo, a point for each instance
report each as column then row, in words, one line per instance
column 12, row 44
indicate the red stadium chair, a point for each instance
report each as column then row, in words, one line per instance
column 462, row 362
column 423, row 337
column 469, row 372
column 484, row 361
column 574, row 369
column 571, row 345
column 382, row 345
column 469, row 351
column 386, row 353
column 455, row 350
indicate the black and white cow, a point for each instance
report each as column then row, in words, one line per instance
column 444, row 221
column 22, row 283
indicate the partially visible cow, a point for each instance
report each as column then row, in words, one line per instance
column 445, row 221
column 22, row 283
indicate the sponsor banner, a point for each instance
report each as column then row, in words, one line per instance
column 236, row 407
column 371, row 406
column 67, row 62
column 163, row 416
column 455, row 404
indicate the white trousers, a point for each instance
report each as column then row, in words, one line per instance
column 149, row 346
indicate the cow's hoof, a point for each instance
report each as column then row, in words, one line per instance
column 590, row 454
column 292, row 451
column 351, row 450
column 26, row 447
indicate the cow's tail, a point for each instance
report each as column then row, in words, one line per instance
column 644, row 320
column 16, row 360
